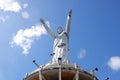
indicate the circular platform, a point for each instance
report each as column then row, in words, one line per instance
column 51, row 72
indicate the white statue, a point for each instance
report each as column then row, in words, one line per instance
column 61, row 41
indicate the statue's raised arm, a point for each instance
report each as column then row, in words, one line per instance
column 48, row 29
column 67, row 30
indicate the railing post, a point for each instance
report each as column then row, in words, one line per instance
column 77, row 74
column 40, row 75
column 59, row 63
column 60, row 72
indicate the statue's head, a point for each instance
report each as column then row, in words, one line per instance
column 59, row 30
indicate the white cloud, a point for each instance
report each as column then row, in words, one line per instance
column 25, row 15
column 13, row 6
column 114, row 63
column 10, row 5
column 82, row 54
column 24, row 38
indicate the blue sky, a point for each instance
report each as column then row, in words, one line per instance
column 94, row 35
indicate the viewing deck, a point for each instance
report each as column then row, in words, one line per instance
column 60, row 72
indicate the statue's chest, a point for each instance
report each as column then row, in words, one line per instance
column 61, row 38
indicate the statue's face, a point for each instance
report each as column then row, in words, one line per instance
column 60, row 30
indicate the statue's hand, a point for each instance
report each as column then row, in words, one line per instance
column 42, row 21
column 70, row 12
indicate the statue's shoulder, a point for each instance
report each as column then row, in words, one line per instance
column 65, row 33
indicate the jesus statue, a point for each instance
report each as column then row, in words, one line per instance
column 61, row 41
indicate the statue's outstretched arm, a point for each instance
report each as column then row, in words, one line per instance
column 47, row 28
column 68, row 22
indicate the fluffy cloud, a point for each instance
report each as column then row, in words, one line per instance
column 13, row 6
column 82, row 54
column 114, row 63
column 24, row 38
column 25, row 15
column 10, row 5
